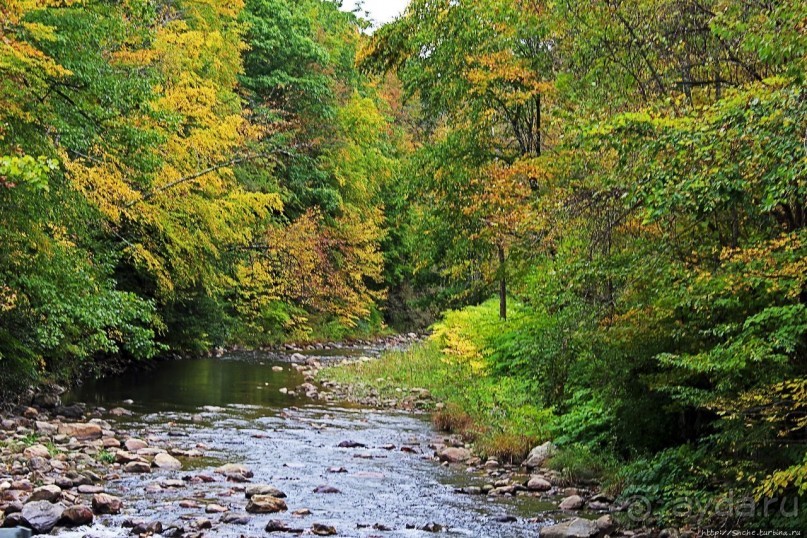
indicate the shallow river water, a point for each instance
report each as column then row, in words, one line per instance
column 233, row 409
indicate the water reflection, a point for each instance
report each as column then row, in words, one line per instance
column 185, row 385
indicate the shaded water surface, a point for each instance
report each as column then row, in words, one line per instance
column 233, row 408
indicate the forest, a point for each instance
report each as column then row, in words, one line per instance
column 598, row 208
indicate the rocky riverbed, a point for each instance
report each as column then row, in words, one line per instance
column 248, row 444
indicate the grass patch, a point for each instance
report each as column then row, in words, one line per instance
column 580, row 463
column 494, row 412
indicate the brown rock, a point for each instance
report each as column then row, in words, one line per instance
column 46, row 493
column 166, row 461
column 266, row 504
column 454, row 454
column 537, row 483
column 573, row 502
column 137, row 467
column 133, row 445
column 263, row 489
column 36, row 451
column 104, row 503
column 323, row 530
column 82, row 432
column 76, row 516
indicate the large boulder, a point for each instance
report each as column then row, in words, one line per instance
column 266, row 504
column 82, row 432
column 540, row 454
column 42, row 516
column 574, row 528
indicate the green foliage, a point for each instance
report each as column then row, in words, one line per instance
column 676, row 482
column 183, row 176
column 578, row 463
column 105, row 456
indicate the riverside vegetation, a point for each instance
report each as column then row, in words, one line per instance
column 605, row 199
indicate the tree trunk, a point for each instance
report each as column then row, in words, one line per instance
column 502, row 284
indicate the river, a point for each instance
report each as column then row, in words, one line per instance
column 233, row 410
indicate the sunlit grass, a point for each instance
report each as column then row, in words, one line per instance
column 492, row 412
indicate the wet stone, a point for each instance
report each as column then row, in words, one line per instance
column 266, row 504
column 326, row 489
column 76, row 516
column 323, row 530
column 104, row 503
column 235, row 519
column 263, row 489
column 280, row 526
column 46, row 493
column 42, row 516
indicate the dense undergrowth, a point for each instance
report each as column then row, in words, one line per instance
column 487, row 392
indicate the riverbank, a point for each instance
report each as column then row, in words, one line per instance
column 496, row 430
column 276, row 452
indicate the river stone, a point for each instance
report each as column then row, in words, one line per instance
column 46, row 428
column 235, row 519
column 133, row 445
column 147, row 528
column 454, row 454
column 573, row 502
column 605, row 524
column 216, row 509
column 78, row 515
column 50, row 493
column 538, row 483
column 90, row 489
column 263, row 489
column 322, row 530
column 166, row 461
column 235, row 469
column 36, row 451
column 123, row 456
column 574, row 528
column 351, row 444
column 137, row 467
column 104, row 503
column 538, row 455
column 39, row 464
column 82, row 432
column 14, row 520
column 337, row 470
column 279, row 526
column 326, row 489
column 42, row 516
column 63, row 482
column 266, row 504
